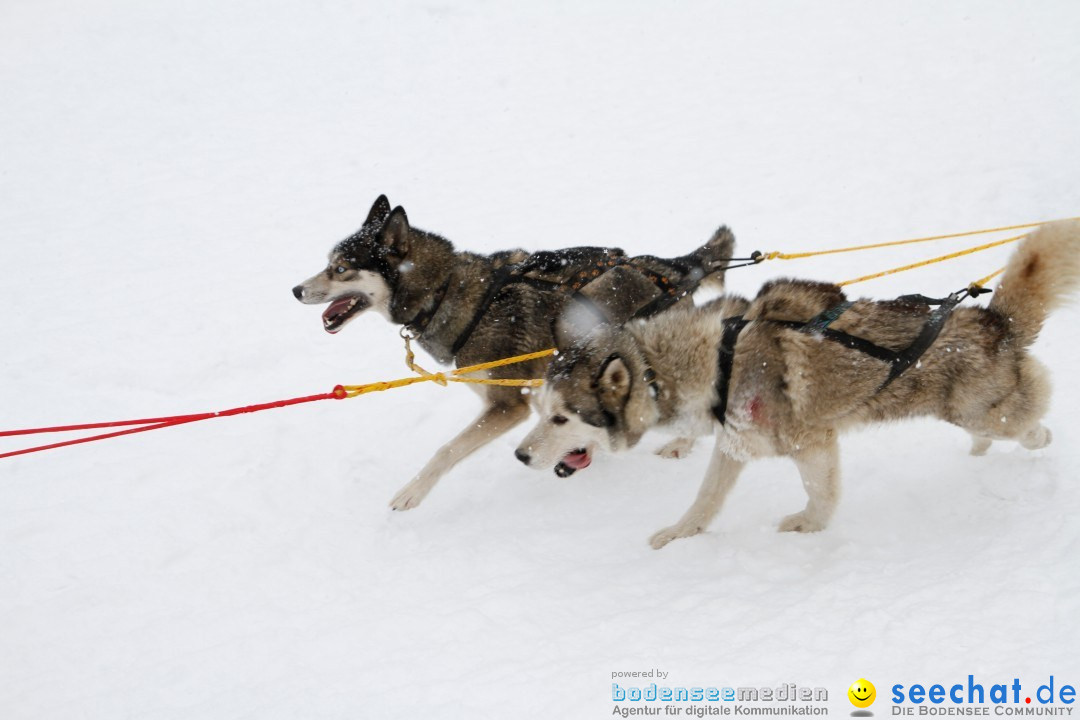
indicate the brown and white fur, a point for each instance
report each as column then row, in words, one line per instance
column 418, row 280
column 792, row 393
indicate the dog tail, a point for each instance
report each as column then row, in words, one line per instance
column 713, row 257
column 1038, row 277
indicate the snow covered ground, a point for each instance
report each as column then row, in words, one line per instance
column 171, row 170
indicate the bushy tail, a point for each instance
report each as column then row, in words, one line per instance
column 714, row 256
column 1039, row 276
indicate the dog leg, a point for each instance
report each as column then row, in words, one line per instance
column 1036, row 438
column 980, row 444
column 820, row 470
column 719, row 479
column 493, row 422
column 1016, row 416
column 678, row 448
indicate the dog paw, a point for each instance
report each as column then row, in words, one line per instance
column 410, row 496
column 1037, row 439
column 677, row 448
column 801, row 522
column 674, row 532
column 979, row 445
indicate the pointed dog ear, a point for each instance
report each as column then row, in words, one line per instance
column 614, row 380
column 379, row 211
column 395, row 233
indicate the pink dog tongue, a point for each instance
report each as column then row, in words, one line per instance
column 336, row 308
column 578, row 461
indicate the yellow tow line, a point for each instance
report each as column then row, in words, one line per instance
column 460, row 375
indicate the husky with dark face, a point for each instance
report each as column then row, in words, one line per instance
column 466, row 308
column 785, row 374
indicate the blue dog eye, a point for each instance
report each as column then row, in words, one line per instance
column 340, row 269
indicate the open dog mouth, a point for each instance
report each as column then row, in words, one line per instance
column 342, row 310
column 572, row 462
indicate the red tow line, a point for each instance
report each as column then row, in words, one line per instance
column 145, row 424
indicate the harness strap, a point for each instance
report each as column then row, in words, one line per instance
column 923, row 300
column 724, row 360
column 503, row 276
column 660, row 304
column 851, row 341
column 823, row 320
column 929, row 333
column 422, row 319
column 498, row 281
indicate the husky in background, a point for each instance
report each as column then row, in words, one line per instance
column 467, row 308
column 786, row 373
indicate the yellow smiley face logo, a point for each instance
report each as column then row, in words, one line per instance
column 862, row 693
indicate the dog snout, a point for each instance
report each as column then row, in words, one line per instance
column 298, row 292
column 522, row 456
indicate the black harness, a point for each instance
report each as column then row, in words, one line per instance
column 547, row 261
column 501, row 278
column 899, row 361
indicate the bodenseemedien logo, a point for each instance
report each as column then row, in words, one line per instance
column 701, row 701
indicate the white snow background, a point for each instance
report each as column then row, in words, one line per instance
column 170, row 171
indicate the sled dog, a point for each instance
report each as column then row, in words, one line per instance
column 467, row 308
column 786, row 373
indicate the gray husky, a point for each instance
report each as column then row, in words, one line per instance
column 466, row 308
column 786, row 373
